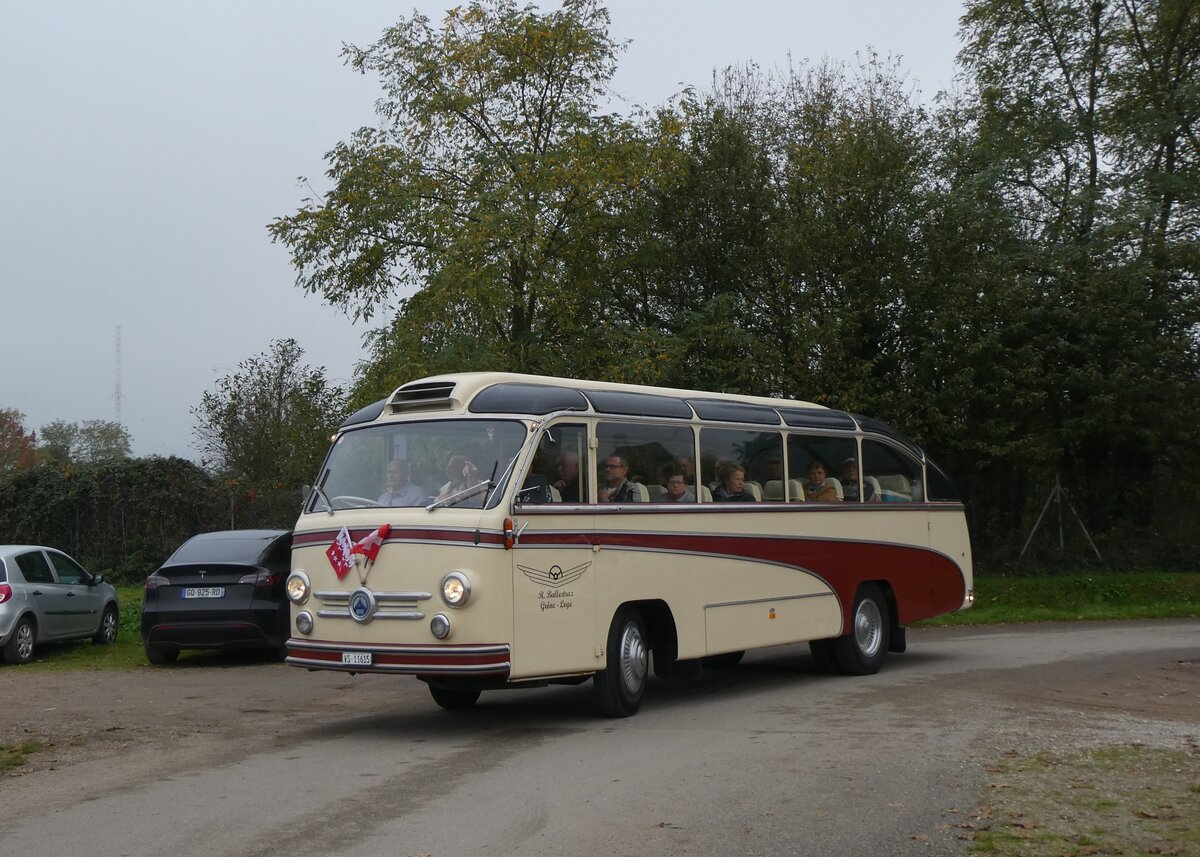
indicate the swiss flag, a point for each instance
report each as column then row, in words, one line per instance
column 341, row 554
column 370, row 544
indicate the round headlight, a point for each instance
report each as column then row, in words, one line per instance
column 304, row 622
column 439, row 626
column 297, row 587
column 456, row 589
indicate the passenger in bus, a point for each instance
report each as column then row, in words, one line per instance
column 568, row 477
column 617, row 487
column 400, row 492
column 462, row 475
column 818, row 488
column 687, row 467
column 850, row 482
column 733, row 485
column 677, row 489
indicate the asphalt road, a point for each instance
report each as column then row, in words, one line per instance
column 771, row 758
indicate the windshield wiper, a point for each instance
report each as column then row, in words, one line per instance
column 459, row 496
column 320, row 492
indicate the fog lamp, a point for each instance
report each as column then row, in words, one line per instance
column 297, row 587
column 304, row 622
column 439, row 626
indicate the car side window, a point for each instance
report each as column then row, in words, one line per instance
column 67, row 569
column 34, row 567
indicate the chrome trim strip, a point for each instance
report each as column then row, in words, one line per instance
column 379, row 614
column 398, row 648
column 329, row 595
column 422, row 669
column 770, row 600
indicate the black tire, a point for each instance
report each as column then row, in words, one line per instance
column 20, row 646
column 822, row 655
column 107, row 632
column 723, row 661
column 863, row 650
column 160, row 655
column 620, row 685
column 453, row 699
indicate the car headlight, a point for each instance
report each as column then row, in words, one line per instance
column 456, row 589
column 297, row 587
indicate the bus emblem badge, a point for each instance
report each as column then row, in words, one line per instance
column 362, row 605
column 556, row 575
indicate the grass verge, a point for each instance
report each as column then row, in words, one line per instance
column 1109, row 800
column 14, row 755
column 1067, row 597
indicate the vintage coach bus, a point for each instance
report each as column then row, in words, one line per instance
column 489, row 530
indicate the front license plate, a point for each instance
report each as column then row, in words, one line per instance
column 359, row 659
column 204, row 592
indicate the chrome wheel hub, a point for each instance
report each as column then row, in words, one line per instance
column 868, row 628
column 633, row 659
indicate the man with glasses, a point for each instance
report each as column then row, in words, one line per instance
column 617, row 488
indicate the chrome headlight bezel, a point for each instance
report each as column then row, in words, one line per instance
column 304, row 622
column 439, row 626
column 456, row 590
column 297, row 587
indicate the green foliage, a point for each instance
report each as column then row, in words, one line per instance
column 123, row 518
column 268, row 424
column 89, row 442
column 1009, row 276
column 16, row 445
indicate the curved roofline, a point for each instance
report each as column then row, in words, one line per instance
column 469, row 384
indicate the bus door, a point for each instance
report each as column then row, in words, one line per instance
column 554, row 568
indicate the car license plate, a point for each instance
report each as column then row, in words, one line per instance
column 204, row 592
column 359, row 659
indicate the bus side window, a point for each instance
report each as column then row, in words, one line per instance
column 897, row 473
column 827, row 456
column 557, row 474
column 635, row 461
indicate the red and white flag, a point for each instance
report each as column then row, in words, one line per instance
column 370, row 544
column 341, row 554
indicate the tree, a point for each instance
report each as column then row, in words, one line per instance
column 88, row 442
column 269, row 423
column 16, row 445
column 478, row 209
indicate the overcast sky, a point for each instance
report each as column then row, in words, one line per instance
column 146, row 145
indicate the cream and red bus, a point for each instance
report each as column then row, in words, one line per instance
column 487, row 530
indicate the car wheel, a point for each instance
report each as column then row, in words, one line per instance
column 453, row 699
column 19, row 648
column 862, row 651
column 159, row 655
column 107, row 632
column 620, row 685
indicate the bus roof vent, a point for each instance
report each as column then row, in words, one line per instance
column 424, row 396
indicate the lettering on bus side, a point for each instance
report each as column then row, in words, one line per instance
column 554, row 596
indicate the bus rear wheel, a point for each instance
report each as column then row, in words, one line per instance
column 862, row 651
column 620, row 685
column 453, row 699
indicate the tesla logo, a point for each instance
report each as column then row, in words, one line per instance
column 202, row 572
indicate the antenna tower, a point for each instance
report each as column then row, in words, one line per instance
column 117, row 395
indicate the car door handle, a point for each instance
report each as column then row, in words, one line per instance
column 70, row 594
column 37, row 592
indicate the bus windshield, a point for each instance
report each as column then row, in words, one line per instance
column 419, row 464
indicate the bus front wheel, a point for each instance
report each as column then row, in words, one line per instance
column 620, row 685
column 861, row 652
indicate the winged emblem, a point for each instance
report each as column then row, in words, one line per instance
column 556, row 576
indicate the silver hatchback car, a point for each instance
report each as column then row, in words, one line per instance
column 45, row 595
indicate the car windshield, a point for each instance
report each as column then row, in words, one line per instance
column 419, row 464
